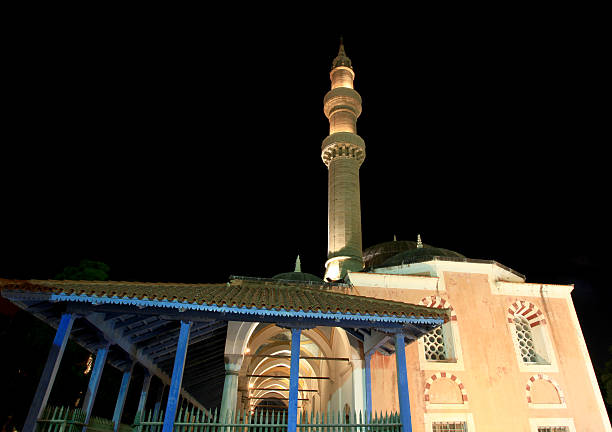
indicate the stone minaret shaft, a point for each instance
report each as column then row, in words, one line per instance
column 343, row 151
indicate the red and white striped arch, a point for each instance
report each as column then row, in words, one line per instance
column 534, row 378
column 439, row 302
column 452, row 377
column 528, row 310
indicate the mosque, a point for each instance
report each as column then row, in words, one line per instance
column 449, row 342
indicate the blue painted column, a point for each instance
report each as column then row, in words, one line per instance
column 123, row 390
column 402, row 382
column 368, row 386
column 160, row 398
column 294, row 374
column 50, row 370
column 94, row 382
column 143, row 394
column 177, row 377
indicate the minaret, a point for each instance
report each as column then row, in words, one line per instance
column 343, row 151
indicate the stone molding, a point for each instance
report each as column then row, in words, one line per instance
column 439, row 302
column 342, row 98
column 531, row 312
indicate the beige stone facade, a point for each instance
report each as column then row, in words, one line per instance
column 486, row 381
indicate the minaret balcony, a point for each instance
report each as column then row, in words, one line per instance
column 343, row 144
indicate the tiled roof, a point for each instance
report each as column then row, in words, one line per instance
column 267, row 294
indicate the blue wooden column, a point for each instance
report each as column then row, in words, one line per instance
column 368, row 386
column 177, row 376
column 94, row 382
column 294, row 374
column 158, row 402
column 402, row 382
column 123, row 390
column 143, row 394
column 50, row 370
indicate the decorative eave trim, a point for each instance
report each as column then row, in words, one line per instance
column 183, row 306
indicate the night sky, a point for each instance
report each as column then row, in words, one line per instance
column 175, row 150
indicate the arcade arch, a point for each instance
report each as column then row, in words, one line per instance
column 327, row 367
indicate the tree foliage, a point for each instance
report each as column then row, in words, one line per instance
column 86, row 270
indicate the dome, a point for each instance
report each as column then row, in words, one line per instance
column 395, row 252
column 298, row 276
column 375, row 255
column 420, row 254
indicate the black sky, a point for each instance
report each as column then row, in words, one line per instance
column 185, row 146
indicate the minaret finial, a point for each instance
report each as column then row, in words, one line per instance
column 298, row 265
column 419, row 242
column 342, row 59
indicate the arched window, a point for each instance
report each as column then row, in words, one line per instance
column 529, row 334
column 441, row 344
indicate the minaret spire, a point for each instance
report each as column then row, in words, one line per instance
column 342, row 59
column 343, row 152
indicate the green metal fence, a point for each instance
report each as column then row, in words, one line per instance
column 267, row 421
column 63, row 419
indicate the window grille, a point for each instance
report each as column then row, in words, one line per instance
column 553, row 429
column 449, row 427
column 434, row 345
column 525, row 339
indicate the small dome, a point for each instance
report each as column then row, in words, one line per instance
column 397, row 251
column 298, row 276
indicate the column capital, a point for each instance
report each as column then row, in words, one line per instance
column 233, row 363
